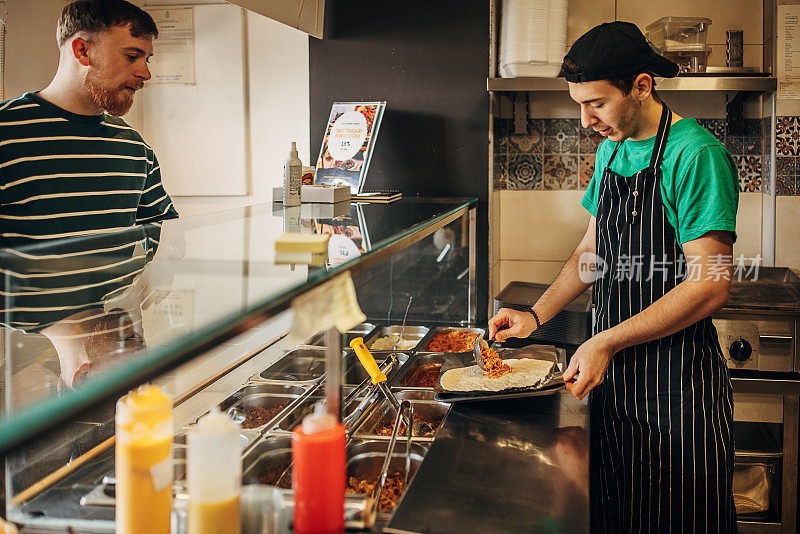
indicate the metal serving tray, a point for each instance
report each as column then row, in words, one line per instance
column 550, row 385
column 355, row 373
column 405, row 378
column 274, row 452
column 424, row 347
column 364, row 330
column 267, row 396
column 365, row 459
column 305, row 407
column 415, row 394
column 417, row 333
column 385, row 414
column 301, row 366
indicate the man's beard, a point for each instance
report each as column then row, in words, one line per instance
column 114, row 101
column 628, row 123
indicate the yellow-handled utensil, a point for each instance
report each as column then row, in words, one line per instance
column 420, row 428
column 369, row 363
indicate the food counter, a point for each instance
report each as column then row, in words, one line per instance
column 220, row 329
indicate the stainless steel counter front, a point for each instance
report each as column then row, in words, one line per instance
column 520, row 465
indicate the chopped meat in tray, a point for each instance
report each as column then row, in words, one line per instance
column 393, row 489
column 452, row 341
column 425, row 377
column 256, row 416
column 270, row 477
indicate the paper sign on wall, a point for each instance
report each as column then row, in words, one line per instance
column 173, row 51
column 789, row 51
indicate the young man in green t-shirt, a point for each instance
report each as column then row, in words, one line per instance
column 658, row 252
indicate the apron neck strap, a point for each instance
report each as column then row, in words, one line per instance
column 661, row 139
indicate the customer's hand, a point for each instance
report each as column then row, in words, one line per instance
column 511, row 323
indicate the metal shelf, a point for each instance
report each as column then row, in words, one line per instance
column 680, row 83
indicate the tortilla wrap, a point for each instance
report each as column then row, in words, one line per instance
column 525, row 372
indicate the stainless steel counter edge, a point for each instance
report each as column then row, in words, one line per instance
column 520, row 465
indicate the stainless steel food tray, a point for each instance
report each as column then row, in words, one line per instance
column 272, row 452
column 294, row 416
column 424, row 346
column 363, row 330
column 266, row 396
column 365, row 459
column 355, row 373
column 416, row 362
column 384, row 415
column 301, row 366
column 418, row 333
column 550, row 385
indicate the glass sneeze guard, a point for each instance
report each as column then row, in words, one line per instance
column 189, row 284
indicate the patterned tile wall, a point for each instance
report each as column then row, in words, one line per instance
column 553, row 154
column 559, row 153
column 787, row 156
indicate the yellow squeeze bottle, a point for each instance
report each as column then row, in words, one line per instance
column 143, row 462
column 214, row 473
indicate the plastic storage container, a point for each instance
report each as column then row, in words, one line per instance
column 669, row 32
column 533, row 37
column 690, row 58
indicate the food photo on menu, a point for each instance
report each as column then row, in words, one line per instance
column 348, row 143
column 349, row 237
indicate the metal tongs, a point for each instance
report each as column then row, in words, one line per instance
column 476, row 350
column 376, row 492
column 379, row 379
column 349, row 419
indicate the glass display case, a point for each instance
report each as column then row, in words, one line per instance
column 203, row 308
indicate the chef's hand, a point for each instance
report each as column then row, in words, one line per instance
column 511, row 323
column 588, row 366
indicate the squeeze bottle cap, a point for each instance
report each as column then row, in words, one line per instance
column 319, row 421
column 216, row 423
column 145, row 404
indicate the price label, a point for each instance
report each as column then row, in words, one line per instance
column 347, row 135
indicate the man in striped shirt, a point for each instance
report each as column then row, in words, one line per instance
column 69, row 166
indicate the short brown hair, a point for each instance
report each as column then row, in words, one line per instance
column 623, row 83
column 100, row 15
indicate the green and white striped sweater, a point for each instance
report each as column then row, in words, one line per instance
column 64, row 175
column 74, row 190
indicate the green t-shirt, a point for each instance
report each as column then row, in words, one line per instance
column 699, row 183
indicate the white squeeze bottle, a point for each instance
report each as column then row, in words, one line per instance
column 292, row 178
column 214, row 472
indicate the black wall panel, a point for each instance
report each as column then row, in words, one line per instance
column 429, row 61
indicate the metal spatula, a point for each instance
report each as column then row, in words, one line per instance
column 476, row 349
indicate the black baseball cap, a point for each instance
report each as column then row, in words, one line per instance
column 615, row 49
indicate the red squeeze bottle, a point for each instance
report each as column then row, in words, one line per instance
column 318, row 474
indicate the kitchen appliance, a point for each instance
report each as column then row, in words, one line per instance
column 758, row 331
column 758, row 327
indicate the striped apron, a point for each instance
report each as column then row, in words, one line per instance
column 661, row 439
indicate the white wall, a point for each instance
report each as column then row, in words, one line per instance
column 277, row 79
column 31, row 51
